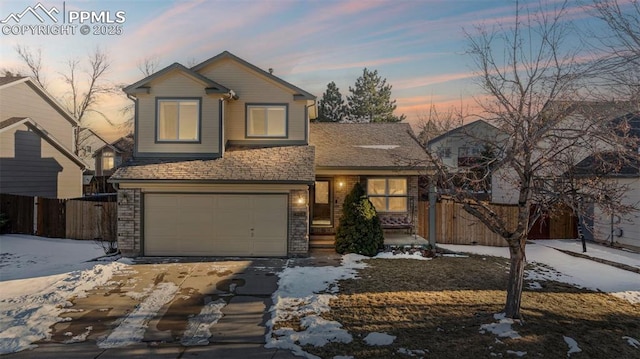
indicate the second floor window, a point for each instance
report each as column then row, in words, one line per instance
column 107, row 161
column 178, row 120
column 266, row 121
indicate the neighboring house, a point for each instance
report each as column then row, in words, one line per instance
column 90, row 141
column 384, row 157
column 580, row 115
column 36, row 143
column 614, row 227
column 464, row 145
column 108, row 158
column 222, row 164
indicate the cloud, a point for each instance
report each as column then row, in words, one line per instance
column 421, row 81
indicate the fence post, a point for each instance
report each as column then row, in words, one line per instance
column 432, row 214
column 35, row 215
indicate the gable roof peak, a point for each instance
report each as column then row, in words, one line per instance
column 228, row 55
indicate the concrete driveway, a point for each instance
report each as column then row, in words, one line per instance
column 164, row 307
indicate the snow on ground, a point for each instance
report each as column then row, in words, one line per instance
column 633, row 342
column 573, row 345
column 569, row 269
column 198, row 332
column 594, row 250
column 38, row 276
column 376, row 338
column 391, row 255
column 23, row 256
column 132, row 328
column 35, row 304
column 302, row 293
column 502, row 328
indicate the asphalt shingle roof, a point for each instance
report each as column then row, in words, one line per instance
column 366, row 145
column 291, row 164
column 9, row 79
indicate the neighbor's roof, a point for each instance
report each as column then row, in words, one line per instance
column 291, row 164
column 12, row 122
column 610, row 164
column 389, row 146
column 9, row 79
column 462, row 129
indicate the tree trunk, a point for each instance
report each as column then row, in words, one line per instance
column 516, row 279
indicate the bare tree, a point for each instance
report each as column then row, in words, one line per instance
column 531, row 87
column 147, row 67
column 621, row 44
column 85, row 82
column 33, row 61
column 436, row 122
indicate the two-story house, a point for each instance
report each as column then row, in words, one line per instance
column 37, row 138
column 222, row 165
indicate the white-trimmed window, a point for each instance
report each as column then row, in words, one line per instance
column 266, row 121
column 179, row 120
column 388, row 194
column 107, row 161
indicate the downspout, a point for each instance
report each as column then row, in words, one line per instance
column 308, row 129
column 231, row 95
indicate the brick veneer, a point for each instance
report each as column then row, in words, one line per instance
column 129, row 222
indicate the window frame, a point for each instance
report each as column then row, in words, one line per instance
column 159, row 100
column 251, row 105
column 387, row 196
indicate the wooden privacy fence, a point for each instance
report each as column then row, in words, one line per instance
column 91, row 220
column 455, row 226
column 19, row 212
column 73, row 218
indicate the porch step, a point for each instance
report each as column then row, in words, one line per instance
column 322, row 241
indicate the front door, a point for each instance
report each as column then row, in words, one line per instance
column 322, row 197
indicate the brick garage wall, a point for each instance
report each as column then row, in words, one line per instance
column 298, row 223
column 129, row 222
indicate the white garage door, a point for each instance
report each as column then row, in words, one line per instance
column 215, row 225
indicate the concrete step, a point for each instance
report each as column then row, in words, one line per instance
column 322, row 241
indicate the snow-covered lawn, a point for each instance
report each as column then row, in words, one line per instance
column 39, row 275
column 581, row 272
column 23, row 256
column 305, row 293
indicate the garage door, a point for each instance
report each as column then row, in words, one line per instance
column 215, row 225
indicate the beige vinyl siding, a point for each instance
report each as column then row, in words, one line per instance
column 32, row 167
column 252, row 87
column 177, row 85
column 20, row 100
column 629, row 223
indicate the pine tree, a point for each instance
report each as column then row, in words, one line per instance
column 331, row 107
column 370, row 100
column 360, row 230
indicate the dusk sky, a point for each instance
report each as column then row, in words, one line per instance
column 417, row 45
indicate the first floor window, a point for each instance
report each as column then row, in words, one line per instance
column 178, row 120
column 388, row 194
column 266, row 121
column 107, row 161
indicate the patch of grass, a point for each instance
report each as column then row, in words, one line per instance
column 439, row 306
